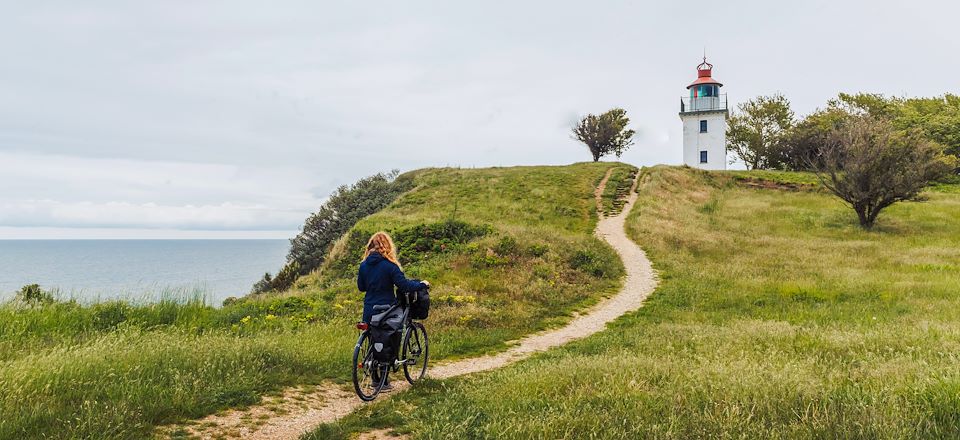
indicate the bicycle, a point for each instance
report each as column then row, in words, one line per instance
column 412, row 357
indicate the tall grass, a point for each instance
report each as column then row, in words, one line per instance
column 777, row 316
column 117, row 369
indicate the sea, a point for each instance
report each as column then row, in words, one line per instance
column 138, row 270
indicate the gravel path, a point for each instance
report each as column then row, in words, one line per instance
column 333, row 404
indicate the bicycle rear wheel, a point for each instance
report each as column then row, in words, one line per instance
column 416, row 352
column 366, row 382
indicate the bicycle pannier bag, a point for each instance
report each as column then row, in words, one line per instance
column 385, row 333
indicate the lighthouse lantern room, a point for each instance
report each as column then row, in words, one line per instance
column 704, row 115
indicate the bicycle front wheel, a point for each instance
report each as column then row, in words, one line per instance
column 416, row 351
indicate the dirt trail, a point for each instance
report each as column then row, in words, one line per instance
column 328, row 404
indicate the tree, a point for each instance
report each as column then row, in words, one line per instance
column 756, row 133
column 800, row 146
column 605, row 134
column 937, row 118
column 870, row 165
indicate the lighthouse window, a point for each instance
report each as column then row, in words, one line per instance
column 703, row 126
column 704, row 91
column 703, row 157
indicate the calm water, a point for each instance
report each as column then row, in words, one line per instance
column 138, row 269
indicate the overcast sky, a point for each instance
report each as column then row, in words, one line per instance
column 237, row 118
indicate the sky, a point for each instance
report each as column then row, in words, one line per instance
column 236, row 119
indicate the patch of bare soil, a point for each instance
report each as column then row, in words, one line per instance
column 381, row 434
column 750, row 182
column 598, row 193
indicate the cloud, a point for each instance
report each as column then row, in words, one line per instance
column 64, row 191
column 239, row 114
column 224, row 216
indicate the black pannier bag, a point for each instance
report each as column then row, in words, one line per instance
column 385, row 333
column 420, row 304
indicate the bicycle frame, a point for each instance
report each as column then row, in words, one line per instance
column 403, row 330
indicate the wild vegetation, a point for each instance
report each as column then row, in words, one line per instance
column 617, row 190
column 510, row 251
column 756, row 134
column 870, row 151
column 345, row 207
column 777, row 316
column 870, row 166
column 765, row 134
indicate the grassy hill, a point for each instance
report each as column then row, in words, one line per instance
column 509, row 251
column 776, row 317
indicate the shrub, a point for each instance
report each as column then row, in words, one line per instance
column 489, row 259
column 507, row 246
column 109, row 315
column 284, row 279
column 538, row 250
column 418, row 242
column 261, row 286
column 591, row 262
column 32, row 295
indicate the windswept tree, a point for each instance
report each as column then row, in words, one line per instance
column 871, row 165
column 756, row 133
column 605, row 134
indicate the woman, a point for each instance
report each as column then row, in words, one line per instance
column 378, row 274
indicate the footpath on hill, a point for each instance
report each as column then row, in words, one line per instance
column 299, row 410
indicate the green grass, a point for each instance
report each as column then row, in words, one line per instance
column 117, row 370
column 776, row 317
column 618, row 186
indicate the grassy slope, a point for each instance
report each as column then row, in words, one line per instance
column 501, row 282
column 115, row 370
column 776, row 317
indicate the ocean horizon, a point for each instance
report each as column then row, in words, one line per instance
column 140, row 270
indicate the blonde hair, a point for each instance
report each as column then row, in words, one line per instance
column 382, row 244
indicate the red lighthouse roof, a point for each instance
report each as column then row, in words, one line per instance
column 703, row 75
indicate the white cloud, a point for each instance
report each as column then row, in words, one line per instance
column 73, row 192
column 232, row 114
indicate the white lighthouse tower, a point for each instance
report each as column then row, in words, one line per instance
column 704, row 115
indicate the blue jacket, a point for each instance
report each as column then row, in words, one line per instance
column 377, row 277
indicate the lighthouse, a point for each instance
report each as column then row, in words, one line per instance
column 704, row 115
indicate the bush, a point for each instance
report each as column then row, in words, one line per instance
column 32, row 294
column 490, row 259
column 109, row 315
column 418, row 242
column 507, row 246
column 590, row 261
column 287, row 275
column 537, row 250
